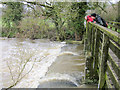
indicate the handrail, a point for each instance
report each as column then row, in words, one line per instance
column 114, row 22
column 110, row 33
column 102, row 48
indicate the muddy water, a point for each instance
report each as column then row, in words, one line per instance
column 40, row 63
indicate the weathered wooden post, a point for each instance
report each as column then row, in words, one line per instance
column 85, row 39
column 90, row 37
column 103, row 62
column 96, row 51
column 89, row 59
column 87, row 51
column 86, row 48
column 92, row 41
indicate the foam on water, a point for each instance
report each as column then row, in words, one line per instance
column 40, row 56
column 58, row 76
column 69, row 53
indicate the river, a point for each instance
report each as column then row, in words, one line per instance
column 40, row 63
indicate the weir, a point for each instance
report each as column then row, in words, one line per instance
column 102, row 50
column 40, row 63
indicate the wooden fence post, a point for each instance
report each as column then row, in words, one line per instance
column 88, row 67
column 89, row 36
column 92, row 41
column 91, row 61
column 85, row 39
column 103, row 61
column 96, row 51
column 89, row 58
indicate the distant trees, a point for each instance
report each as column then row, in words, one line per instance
column 112, row 14
column 107, row 10
column 57, row 13
column 68, row 18
column 53, row 20
column 12, row 14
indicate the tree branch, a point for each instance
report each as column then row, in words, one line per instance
column 111, row 4
column 37, row 3
column 10, row 72
column 102, row 8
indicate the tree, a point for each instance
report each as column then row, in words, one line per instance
column 57, row 12
column 68, row 17
column 71, row 13
column 77, row 19
column 12, row 14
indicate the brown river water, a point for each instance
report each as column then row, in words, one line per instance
column 40, row 63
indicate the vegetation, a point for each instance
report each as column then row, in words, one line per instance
column 11, row 18
column 52, row 20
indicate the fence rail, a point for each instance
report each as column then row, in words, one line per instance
column 102, row 47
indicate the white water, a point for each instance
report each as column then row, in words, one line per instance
column 40, row 55
column 59, row 76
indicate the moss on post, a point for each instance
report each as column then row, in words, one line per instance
column 103, row 62
column 97, row 38
column 93, row 41
column 88, row 68
column 96, row 51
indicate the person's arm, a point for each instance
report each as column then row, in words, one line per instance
column 107, row 24
column 94, row 22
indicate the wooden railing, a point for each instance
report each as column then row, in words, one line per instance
column 114, row 26
column 102, row 49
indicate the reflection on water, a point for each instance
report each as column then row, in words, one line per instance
column 30, row 63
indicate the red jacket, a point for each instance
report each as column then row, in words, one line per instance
column 89, row 19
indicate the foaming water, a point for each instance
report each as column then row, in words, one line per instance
column 59, row 79
column 40, row 63
column 67, row 70
column 26, row 62
column 68, row 53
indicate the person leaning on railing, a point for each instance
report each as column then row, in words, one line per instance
column 96, row 19
column 90, row 18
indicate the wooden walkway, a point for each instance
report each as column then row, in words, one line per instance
column 102, row 49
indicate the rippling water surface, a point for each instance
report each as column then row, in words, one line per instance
column 40, row 63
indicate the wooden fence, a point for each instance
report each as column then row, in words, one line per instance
column 102, row 49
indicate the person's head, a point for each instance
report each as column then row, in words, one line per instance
column 93, row 15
